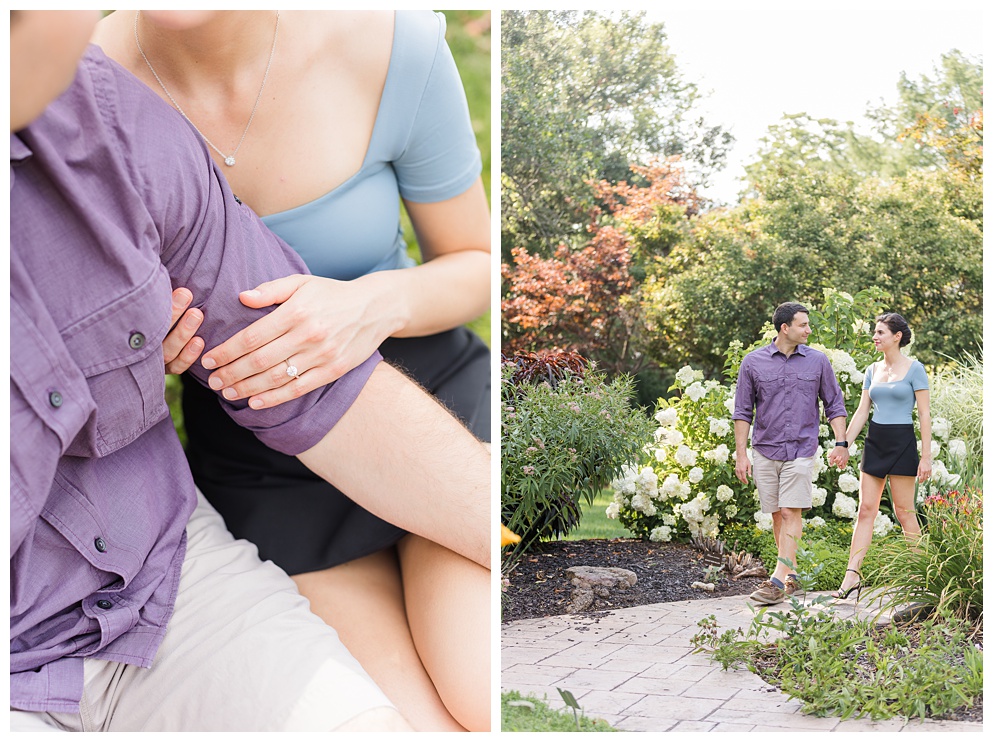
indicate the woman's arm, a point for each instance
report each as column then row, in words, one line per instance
column 859, row 418
column 924, row 417
column 326, row 327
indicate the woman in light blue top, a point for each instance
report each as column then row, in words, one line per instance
column 892, row 387
column 324, row 123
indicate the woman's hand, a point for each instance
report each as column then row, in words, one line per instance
column 924, row 470
column 181, row 347
column 323, row 328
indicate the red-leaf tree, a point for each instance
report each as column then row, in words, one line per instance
column 586, row 300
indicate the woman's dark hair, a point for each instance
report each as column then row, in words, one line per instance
column 896, row 323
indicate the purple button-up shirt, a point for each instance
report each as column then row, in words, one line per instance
column 114, row 201
column 783, row 392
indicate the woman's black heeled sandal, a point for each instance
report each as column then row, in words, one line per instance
column 856, row 588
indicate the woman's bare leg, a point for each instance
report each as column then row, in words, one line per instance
column 448, row 608
column 902, row 490
column 363, row 601
column 870, row 493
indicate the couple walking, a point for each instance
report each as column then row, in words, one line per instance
column 779, row 386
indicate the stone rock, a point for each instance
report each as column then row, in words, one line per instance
column 590, row 583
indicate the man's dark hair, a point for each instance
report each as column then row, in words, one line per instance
column 896, row 323
column 786, row 312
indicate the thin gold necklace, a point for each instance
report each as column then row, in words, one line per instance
column 229, row 160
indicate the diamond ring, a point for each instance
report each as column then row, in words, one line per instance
column 292, row 370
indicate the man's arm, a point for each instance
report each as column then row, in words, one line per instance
column 744, row 405
column 400, row 455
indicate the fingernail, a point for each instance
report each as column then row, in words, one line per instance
column 229, row 393
column 214, row 382
column 255, row 404
column 208, row 362
column 193, row 319
column 252, row 293
column 181, row 299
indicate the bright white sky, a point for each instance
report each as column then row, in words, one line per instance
column 759, row 60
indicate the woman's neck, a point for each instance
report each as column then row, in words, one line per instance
column 892, row 356
column 226, row 52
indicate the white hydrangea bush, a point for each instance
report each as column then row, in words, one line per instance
column 692, row 488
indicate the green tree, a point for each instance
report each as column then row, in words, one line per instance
column 583, row 95
column 948, row 103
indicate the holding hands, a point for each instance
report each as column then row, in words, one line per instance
column 838, row 456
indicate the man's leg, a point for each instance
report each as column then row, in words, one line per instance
column 399, row 454
column 792, row 528
column 242, row 652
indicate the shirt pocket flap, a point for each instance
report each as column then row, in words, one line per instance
column 119, row 351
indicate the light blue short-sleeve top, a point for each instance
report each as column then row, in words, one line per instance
column 422, row 149
column 893, row 401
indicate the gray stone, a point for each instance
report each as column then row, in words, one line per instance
column 589, row 583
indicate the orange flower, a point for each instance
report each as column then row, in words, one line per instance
column 508, row 537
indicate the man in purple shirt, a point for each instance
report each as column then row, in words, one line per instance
column 781, row 383
column 132, row 608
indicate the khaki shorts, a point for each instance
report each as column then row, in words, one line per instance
column 242, row 652
column 783, row 484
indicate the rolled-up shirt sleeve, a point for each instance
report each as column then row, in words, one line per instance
column 744, row 396
column 830, row 392
column 217, row 247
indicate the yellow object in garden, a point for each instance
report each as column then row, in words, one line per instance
column 508, row 537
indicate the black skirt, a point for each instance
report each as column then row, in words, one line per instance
column 890, row 449
column 298, row 520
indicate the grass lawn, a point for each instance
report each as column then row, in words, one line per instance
column 536, row 716
column 596, row 524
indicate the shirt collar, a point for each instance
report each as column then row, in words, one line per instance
column 772, row 349
column 19, row 151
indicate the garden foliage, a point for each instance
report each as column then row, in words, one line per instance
column 562, row 440
column 684, row 482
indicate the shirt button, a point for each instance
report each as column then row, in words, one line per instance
column 55, row 399
column 100, row 544
column 104, row 604
column 136, row 341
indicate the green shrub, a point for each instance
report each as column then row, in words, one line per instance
column 853, row 668
column 944, row 568
column 957, row 396
column 561, row 443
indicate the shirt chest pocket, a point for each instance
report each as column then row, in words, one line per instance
column 118, row 349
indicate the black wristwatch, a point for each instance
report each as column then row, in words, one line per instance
column 843, row 444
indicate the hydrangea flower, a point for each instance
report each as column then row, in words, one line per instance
column 685, row 456
column 940, row 427
column 957, row 449
column 613, row 510
column 818, row 497
column 816, row 522
column 844, row 506
column 882, row 525
column 848, row 482
column 942, row 477
column 724, row 493
column 695, row 391
column 643, row 504
column 660, row 533
column 763, row 521
column 695, row 475
column 669, row 519
column 718, row 455
column 686, row 376
column 667, row 417
column 719, row 426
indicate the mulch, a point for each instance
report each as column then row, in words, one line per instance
column 538, row 585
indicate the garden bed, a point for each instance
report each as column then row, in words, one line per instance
column 538, row 585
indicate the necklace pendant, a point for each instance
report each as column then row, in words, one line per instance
column 229, row 161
